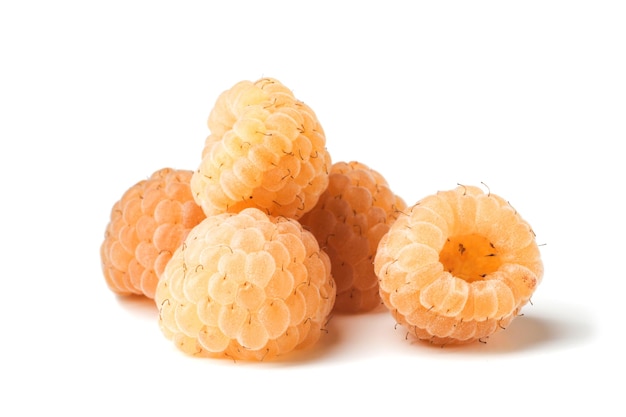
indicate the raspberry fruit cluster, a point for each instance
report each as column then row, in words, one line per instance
column 248, row 256
column 146, row 226
column 266, row 149
column 459, row 266
column 349, row 220
column 246, row 286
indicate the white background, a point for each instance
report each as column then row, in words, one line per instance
column 525, row 97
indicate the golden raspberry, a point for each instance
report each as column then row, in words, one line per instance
column 146, row 226
column 246, row 286
column 459, row 266
column 266, row 149
column 348, row 221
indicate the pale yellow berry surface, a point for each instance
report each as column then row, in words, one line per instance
column 146, row 226
column 458, row 266
column 246, row 286
column 351, row 216
column 266, row 149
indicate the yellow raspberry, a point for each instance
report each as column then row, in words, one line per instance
column 246, row 286
column 146, row 226
column 266, row 149
column 459, row 266
column 348, row 221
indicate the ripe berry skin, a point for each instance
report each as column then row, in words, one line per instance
column 246, row 286
column 146, row 226
column 266, row 149
column 348, row 221
column 458, row 267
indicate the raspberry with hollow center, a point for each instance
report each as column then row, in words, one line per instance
column 246, row 286
column 348, row 221
column 146, row 226
column 266, row 149
column 459, row 266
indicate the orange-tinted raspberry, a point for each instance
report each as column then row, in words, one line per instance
column 266, row 149
column 246, row 286
column 146, row 226
column 458, row 266
column 348, row 221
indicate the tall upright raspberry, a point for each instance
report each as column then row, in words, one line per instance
column 146, row 226
column 246, row 286
column 266, row 149
column 348, row 221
